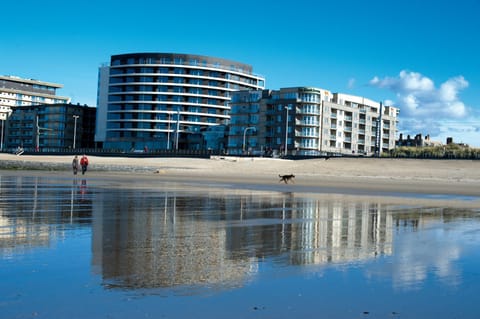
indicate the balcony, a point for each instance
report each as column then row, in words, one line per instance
column 308, row 135
column 307, row 111
column 310, row 147
column 304, row 123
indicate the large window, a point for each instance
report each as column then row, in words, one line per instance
column 179, row 71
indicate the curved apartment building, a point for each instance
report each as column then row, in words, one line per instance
column 153, row 99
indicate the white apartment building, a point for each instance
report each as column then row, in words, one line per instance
column 15, row 91
column 350, row 125
column 310, row 121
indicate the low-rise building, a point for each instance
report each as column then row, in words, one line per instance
column 51, row 127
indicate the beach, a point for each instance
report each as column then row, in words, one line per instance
column 452, row 182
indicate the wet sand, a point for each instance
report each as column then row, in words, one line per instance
column 446, row 182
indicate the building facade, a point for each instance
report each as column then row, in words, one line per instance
column 51, row 127
column 309, row 121
column 16, row 92
column 149, row 99
column 354, row 124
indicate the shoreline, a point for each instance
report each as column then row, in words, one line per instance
column 440, row 182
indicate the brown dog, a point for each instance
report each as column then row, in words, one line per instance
column 287, row 178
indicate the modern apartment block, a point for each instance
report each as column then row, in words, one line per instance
column 17, row 92
column 51, row 127
column 309, row 121
column 354, row 124
column 153, row 99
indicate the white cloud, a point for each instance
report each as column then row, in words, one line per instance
column 418, row 97
column 428, row 109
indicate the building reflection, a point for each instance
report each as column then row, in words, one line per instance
column 34, row 210
column 338, row 232
column 150, row 241
column 184, row 237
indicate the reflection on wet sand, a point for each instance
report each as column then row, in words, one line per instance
column 215, row 240
column 178, row 236
column 35, row 210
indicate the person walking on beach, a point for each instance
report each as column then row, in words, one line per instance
column 75, row 165
column 84, row 163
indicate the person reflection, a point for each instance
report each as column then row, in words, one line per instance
column 83, row 189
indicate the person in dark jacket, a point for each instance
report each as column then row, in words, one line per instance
column 75, row 165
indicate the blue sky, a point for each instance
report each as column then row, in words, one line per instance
column 421, row 56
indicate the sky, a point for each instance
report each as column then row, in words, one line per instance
column 420, row 56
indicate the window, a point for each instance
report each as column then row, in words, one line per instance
column 114, row 71
column 179, row 71
column 116, row 80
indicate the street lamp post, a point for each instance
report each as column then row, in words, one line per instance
column 244, row 135
column 75, row 130
column 1, row 142
column 168, row 132
column 178, row 128
column 286, row 132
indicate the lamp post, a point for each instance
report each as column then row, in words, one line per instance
column 244, row 135
column 1, row 143
column 75, row 130
column 286, row 132
column 168, row 132
column 178, row 128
